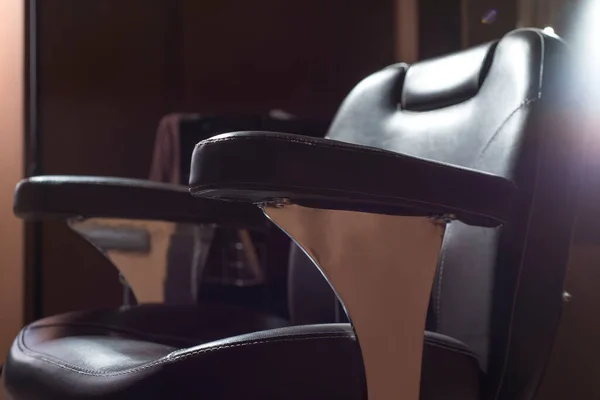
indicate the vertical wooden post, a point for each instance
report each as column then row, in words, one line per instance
column 12, row 32
column 407, row 30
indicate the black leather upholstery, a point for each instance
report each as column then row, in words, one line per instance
column 442, row 82
column 351, row 177
column 498, row 290
column 84, row 196
column 508, row 113
column 122, row 355
column 176, row 325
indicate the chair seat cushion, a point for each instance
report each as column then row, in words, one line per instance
column 162, row 352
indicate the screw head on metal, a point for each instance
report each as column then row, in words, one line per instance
column 277, row 203
column 443, row 219
column 281, row 202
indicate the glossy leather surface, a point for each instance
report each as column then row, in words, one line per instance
column 345, row 178
column 442, row 82
column 89, row 196
column 190, row 325
column 499, row 290
column 121, row 355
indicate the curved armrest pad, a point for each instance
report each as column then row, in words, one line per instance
column 45, row 197
column 324, row 173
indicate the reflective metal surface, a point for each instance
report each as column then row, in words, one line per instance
column 145, row 251
column 164, row 262
column 382, row 267
column 239, row 263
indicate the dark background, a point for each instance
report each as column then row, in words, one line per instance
column 106, row 71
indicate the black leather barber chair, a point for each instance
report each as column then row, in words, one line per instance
column 455, row 175
column 262, row 287
column 208, row 263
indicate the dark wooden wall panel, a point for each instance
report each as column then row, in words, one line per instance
column 449, row 25
column 303, row 56
column 439, row 27
column 505, row 20
column 109, row 69
column 101, row 75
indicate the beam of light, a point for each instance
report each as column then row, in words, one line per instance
column 489, row 17
column 582, row 33
column 550, row 31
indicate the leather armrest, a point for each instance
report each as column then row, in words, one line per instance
column 46, row 197
column 324, row 173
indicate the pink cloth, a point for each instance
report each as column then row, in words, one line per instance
column 165, row 160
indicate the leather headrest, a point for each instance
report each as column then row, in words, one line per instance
column 447, row 80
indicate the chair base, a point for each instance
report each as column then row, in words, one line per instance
column 382, row 268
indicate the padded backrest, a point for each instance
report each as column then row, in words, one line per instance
column 501, row 108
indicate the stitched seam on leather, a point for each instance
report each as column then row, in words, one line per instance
column 342, row 146
column 163, row 360
column 366, row 151
column 438, row 301
column 520, row 107
column 61, row 364
column 413, row 201
column 454, row 350
column 533, row 201
column 452, row 346
column 518, row 284
column 125, row 331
